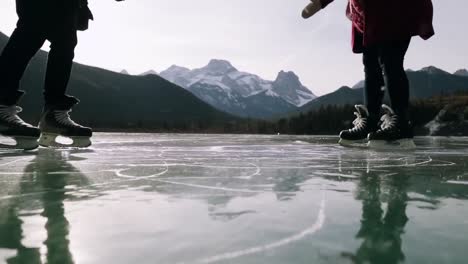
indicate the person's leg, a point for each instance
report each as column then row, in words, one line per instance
column 392, row 59
column 396, row 126
column 374, row 82
column 367, row 116
column 55, row 119
column 59, row 66
column 25, row 41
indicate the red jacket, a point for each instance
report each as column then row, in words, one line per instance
column 389, row 20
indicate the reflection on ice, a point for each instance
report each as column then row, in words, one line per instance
column 233, row 199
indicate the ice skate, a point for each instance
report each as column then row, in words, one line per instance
column 12, row 126
column 395, row 132
column 363, row 125
column 56, row 122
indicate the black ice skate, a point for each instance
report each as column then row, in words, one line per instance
column 394, row 132
column 363, row 125
column 12, row 126
column 56, row 122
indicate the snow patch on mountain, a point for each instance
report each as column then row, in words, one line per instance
column 288, row 86
column 221, row 73
column 271, row 93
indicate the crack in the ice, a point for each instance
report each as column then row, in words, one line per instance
column 317, row 226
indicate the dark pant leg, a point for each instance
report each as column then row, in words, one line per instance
column 374, row 82
column 392, row 57
column 59, row 65
column 22, row 46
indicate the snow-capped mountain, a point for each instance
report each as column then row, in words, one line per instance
column 150, row 72
column 288, row 87
column 223, row 86
column 220, row 73
column 462, row 72
column 359, row 85
column 434, row 70
column 430, row 70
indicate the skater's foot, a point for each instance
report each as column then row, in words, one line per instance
column 395, row 131
column 363, row 125
column 56, row 122
column 12, row 126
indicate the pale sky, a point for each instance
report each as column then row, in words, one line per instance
column 257, row 36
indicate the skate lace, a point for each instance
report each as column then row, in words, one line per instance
column 359, row 122
column 388, row 121
column 10, row 115
column 63, row 117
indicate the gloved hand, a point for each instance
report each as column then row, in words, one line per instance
column 312, row 8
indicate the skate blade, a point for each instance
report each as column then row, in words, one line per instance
column 50, row 140
column 21, row 143
column 353, row 144
column 402, row 144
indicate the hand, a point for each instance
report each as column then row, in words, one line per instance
column 311, row 9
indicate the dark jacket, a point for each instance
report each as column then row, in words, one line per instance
column 54, row 14
column 390, row 20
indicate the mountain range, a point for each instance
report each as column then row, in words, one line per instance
column 427, row 82
column 240, row 93
column 247, row 95
column 209, row 95
column 114, row 100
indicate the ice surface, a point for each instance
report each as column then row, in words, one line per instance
column 156, row 198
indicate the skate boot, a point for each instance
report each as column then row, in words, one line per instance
column 55, row 121
column 12, row 126
column 363, row 125
column 395, row 132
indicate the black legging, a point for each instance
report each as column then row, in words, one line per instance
column 32, row 30
column 383, row 65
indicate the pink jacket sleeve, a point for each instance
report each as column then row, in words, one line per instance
column 325, row 2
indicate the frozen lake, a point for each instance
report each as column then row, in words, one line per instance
column 150, row 198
